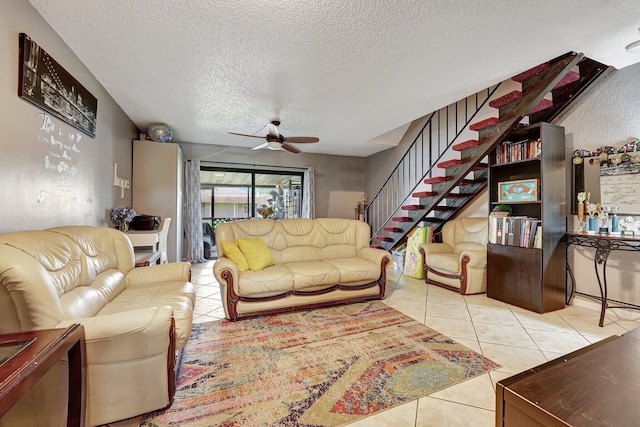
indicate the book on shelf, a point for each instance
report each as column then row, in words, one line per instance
column 519, row 231
column 508, row 152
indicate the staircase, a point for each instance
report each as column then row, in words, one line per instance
column 445, row 168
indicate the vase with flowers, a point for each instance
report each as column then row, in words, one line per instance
column 265, row 211
column 121, row 217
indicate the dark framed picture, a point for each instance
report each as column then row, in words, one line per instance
column 525, row 190
column 46, row 84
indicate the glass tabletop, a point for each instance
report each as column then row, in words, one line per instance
column 11, row 348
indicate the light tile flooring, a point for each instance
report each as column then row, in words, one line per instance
column 515, row 338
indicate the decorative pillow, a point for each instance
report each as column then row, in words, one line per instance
column 232, row 251
column 256, row 252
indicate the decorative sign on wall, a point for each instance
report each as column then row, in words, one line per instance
column 60, row 160
column 44, row 83
column 121, row 183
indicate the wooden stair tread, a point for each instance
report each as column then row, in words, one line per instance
column 424, row 194
column 570, row 77
column 384, row 239
column 530, row 72
column 393, row 229
column 506, row 99
column 449, row 163
column 471, row 181
column 412, row 207
column 443, row 208
column 458, row 195
column 483, row 124
column 436, row 179
column 470, row 143
column 542, row 105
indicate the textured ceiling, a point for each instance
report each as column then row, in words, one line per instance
column 349, row 72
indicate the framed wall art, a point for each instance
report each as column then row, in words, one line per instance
column 525, row 190
column 47, row 85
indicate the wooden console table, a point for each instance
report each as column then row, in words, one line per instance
column 603, row 245
column 40, row 350
column 597, row 385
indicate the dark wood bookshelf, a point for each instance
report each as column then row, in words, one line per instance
column 532, row 278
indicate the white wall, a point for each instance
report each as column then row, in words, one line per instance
column 33, row 196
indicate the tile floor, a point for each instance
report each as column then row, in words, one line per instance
column 515, row 338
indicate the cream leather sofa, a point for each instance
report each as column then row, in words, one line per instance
column 317, row 263
column 458, row 263
column 134, row 318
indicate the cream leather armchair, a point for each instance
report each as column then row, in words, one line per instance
column 458, row 263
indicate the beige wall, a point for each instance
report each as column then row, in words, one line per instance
column 339, row 179
column 34, row 196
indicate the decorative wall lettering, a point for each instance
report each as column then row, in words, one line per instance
column 60, row 158
column 123, row 184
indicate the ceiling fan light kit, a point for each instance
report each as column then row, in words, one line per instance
column 633, row 47
column 276, row 141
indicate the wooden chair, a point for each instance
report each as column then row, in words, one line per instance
column 162, row 245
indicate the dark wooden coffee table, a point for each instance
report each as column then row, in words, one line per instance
column 595, row 386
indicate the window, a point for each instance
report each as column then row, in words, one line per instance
column 229, row 194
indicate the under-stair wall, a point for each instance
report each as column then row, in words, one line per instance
column 445, row 167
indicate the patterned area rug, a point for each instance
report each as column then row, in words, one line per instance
column 323, row 367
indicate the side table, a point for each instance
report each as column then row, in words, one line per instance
column 32, row 354
column 603, row 245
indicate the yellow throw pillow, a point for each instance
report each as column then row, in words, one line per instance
column 256, row 252
column 232, row 251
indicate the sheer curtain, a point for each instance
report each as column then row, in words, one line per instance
column 193, row 220
column 308, row 191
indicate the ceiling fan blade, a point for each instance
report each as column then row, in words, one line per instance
column 244, row 134
column 266, row 144
column 301, row 139
column 291, row 148
column 272, row 129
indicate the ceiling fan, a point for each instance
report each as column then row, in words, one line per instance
column 275, row 140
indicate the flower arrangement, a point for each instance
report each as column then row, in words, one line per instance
column 122, row 216
column 265, row 211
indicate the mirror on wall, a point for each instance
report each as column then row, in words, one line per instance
column 610, row 176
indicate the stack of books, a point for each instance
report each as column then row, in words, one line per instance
column 520, row 231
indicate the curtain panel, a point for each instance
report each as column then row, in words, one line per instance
column 193, row 213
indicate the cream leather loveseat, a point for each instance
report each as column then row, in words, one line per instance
column 134, row 318
column 315, row 263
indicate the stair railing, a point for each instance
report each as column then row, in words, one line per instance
column 438, row 134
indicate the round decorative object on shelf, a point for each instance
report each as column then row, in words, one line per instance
column 160, row 132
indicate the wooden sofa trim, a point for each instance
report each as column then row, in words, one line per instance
column 172, row 371
column 233, row 298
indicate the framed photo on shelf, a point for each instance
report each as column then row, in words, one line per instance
column 524, row 190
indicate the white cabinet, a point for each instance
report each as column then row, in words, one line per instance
column 158, row 186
